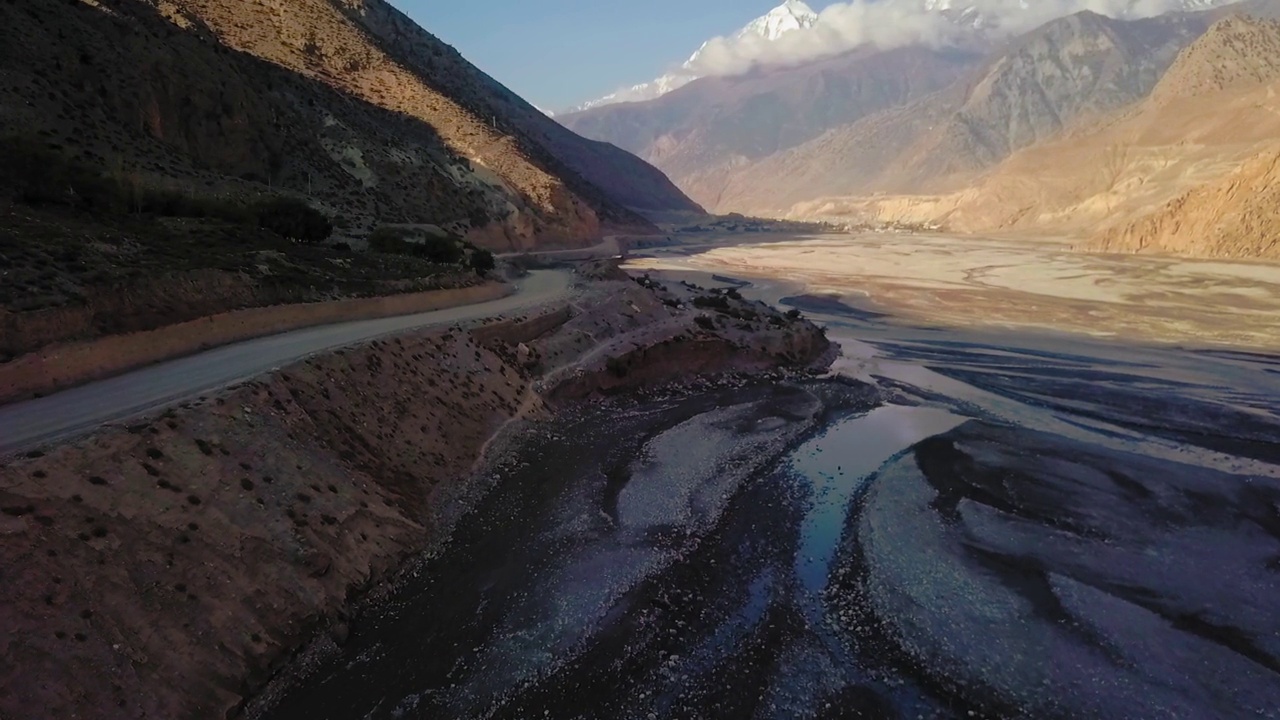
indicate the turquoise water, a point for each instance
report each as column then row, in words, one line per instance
column 840, row 462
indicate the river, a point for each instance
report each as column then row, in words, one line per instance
column 1037, row 484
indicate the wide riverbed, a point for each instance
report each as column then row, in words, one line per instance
column 1018, row 284
column 1015, row 497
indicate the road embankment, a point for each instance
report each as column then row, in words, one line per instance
column 64, row 365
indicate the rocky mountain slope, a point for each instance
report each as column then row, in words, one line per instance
column 1237, row 52
column 1239, row 215
column 347, row 102
column 709, row 132
column 995, row 14
column 1080, row 66
column 1216, row 108
column 907, row 119
column 947, row 21
column 1235, row 217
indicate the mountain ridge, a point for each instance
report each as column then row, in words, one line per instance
column 962, row 113
column 976, row 20
column 1161, row 175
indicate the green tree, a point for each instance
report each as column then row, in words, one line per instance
column 293, row 218
column 482, row 262
column 440, row 249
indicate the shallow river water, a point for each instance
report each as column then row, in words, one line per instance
column 982, row 513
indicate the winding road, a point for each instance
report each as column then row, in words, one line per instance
column 608, row 247
column 79, row 410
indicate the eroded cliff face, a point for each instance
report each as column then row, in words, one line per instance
column 169, row 568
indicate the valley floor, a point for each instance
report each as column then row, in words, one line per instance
column 1009, row 283
column 989, row 513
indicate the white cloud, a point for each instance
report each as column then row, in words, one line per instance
column 894, row 23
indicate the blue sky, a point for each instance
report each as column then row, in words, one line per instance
column 557, row 53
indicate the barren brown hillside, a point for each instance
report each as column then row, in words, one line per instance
column 340, row 101
column 1236, row 217
column 1216, row 107
column 616, row 172
column 1236, row 52
column 707, row 133
column 1068, row 71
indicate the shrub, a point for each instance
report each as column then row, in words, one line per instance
column 705, row 322
column 293, row 218
column 41, row 175
column 445, row 250
column 482, row 261
column 617, row 367
column 711, row 302
column 386, row 239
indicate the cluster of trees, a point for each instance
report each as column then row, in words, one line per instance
column 446, row 249
column 38, row 175
column 293, row 218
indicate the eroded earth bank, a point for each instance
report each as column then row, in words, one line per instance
column 171, row 567
column 832, row 549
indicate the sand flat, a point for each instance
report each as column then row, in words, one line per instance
column 1009, row 283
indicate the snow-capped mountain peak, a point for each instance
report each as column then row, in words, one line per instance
column 787, row 17
column 790, row 16
column 987, row 17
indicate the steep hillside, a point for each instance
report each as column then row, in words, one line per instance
column 1068, row 71
column 1077, row 67
column 623, row 179
column 1235, row 217
column 1216, row 108
column 1236, row 52
column 705, row 133
column 346, row 102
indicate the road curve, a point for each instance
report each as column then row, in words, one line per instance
column 78, row 410
column 607, row 247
